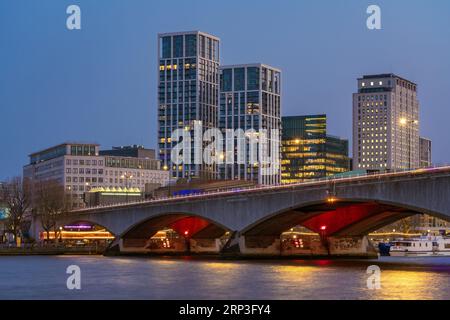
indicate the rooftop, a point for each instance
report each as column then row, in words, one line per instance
column 384, row 75
column 255, row 64
column 63, row 144
column 179, row 33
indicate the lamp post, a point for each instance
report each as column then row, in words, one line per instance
column 60, row 234
column 408, row 124
column 126, row 176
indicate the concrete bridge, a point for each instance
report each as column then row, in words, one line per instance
column 250, row 222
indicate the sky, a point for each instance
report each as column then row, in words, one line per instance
column 98, row 84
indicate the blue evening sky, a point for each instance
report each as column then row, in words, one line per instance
column 99, row 84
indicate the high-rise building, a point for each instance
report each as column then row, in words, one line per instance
column 385, row 123
column 250, row 99
column 79, row 167
column 188, row 89
column 425, row 152
column 308, row 152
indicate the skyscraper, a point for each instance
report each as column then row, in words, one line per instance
column 385, row 123
column 188, row 89
column 250, row 99
column 308, row 152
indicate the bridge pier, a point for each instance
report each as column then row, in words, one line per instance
column 260, row 245
column 205, row 246
column 179, row 246
column 271, row 246
column 334, row 247
column 352, row 246
column 252, row 246
column 132, row 245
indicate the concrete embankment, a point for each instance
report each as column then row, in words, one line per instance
column 14, row 251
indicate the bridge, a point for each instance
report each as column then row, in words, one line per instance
column 342, row 211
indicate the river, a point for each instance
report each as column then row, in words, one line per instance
column 44, row 277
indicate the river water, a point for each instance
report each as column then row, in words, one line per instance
column 44, row 277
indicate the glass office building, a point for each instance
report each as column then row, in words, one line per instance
column 250, row 99
column 188, row 89
column 308, row 152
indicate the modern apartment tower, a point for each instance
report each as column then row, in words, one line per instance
column 385, row 123
column 188, row 89
column 308, row 152
column 250, row 99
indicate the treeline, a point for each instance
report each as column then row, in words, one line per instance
column 24, row 200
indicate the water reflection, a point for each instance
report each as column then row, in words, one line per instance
column 178, row 278
column 409, row 285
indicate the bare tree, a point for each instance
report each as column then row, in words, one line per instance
column 16, row 195
column 51, row 202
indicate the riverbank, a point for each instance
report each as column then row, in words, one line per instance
column 54, row 251
column 49, row 251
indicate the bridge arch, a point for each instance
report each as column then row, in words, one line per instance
column 185, row 223
column 192, row 233
column 337, row 217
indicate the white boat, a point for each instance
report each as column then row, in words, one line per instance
column 420, row 247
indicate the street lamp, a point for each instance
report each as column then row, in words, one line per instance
column 60, row 234
column 126, row 176
column 408, row 124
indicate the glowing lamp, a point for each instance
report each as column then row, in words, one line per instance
column 323, row 228
column 331, row 199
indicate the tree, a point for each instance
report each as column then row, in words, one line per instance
column 51, row 202
column 16, row 195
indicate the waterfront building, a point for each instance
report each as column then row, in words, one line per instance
column 109, row 196
column 308, row 152
column 188, row 88
column 430, row 224
column 250, row 99
column 385, row 123
column 79, row 167
column 425, row 152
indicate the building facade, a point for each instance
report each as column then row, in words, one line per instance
column 134, row 151
column 188, row 89
column 79, row 167
column 425, row 152
column 308, row 152
column 250, row 99
column 385, row 123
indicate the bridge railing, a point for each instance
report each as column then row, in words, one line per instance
column 312, row 182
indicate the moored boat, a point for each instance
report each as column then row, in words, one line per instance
column 423, row 246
